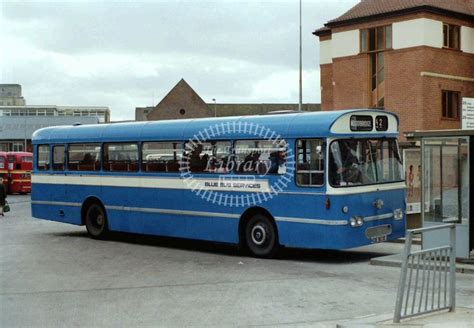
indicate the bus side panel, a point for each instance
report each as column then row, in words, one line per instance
column 137, row 210
column 164, row 212
column 71, row 214
column 48, row 203
column 51, row 202
column 219, row 228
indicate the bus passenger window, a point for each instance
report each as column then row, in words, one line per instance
column 310, row 162
column 260, row 157
column 43, row 158
column 161, row 156
column 121, row 157
column 84, row 157
column 208, row 157
column 58, row 158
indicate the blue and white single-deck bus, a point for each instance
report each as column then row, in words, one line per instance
column 327, row 180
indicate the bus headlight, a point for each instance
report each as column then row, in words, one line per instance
column 356, row 221
column 398, row 214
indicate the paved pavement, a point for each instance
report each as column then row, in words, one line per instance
column 53, row 275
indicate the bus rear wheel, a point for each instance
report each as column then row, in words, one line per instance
column 261, row 236
column 96, row 221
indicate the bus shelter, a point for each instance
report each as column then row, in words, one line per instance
column 447, row 186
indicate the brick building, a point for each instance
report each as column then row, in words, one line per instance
column 183, row 102
column 412, row 57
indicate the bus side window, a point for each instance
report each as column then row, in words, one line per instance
column 260, row 157
column 208, row 157
column 84, row 157
column 58, row 158
column 310, row 162
column 161, row 156
column 121, row 157
column 43, row 158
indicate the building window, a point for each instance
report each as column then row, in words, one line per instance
column 376, row 39
column 451, row 37
column 17, row 146
column 451, row 103
column 182, row 111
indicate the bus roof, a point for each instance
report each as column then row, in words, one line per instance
column 296, row 125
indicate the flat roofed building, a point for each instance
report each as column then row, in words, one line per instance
column 17, row 123
column 411, row 57
column 10, row 95
column 16, row 131
column 100, row 112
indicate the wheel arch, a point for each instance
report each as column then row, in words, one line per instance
column 247, row 215
column 89, row 201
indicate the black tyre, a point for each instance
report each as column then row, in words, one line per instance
column 96, row 221
column 261, row 236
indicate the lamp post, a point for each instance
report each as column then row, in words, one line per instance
column 215, row 107
column 301, row 68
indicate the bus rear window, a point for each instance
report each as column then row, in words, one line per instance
column 43, row 158
column 121, row 157
column 84, row 157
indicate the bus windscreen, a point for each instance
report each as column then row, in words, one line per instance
column 364, row 162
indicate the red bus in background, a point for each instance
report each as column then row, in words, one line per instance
column 4, row 169
column 19, row 172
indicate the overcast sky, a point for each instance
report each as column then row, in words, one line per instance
column 131, row 53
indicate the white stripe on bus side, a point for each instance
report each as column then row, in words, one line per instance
column 179, row 183
column 44, row 202
column 197, row 213
column 240, row 184
column 311, row 221
column 172, row 212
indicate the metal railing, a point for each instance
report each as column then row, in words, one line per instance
column 431, row 277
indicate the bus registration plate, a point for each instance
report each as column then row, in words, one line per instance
column 379, row 239
column 379, row 233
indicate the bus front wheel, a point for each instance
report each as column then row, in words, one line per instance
column 96, row 221
column 261, row 236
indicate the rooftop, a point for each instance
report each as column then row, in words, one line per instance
column 377, row 8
